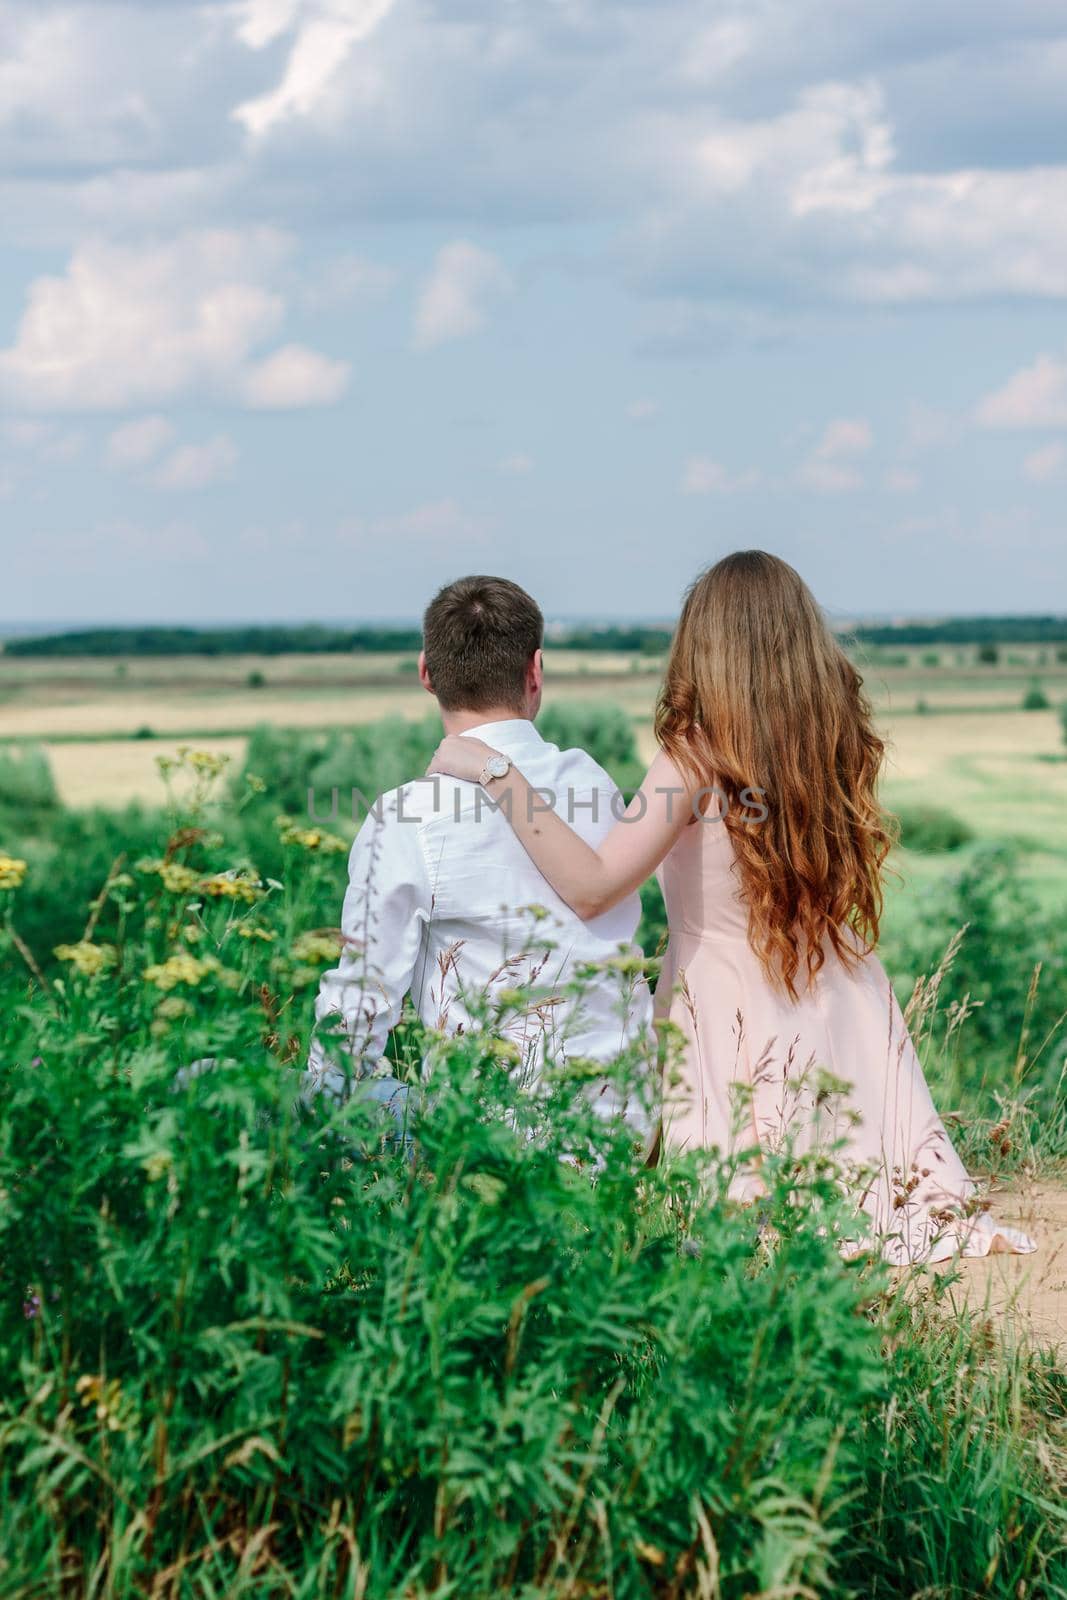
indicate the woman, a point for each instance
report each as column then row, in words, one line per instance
column 760, row 813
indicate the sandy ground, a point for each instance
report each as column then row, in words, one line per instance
column 1027, row 1292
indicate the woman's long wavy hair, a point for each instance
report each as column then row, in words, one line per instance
column 759, row 696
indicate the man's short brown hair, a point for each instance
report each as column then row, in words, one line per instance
column 479, row 635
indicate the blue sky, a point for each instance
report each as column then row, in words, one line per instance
column 310, row 305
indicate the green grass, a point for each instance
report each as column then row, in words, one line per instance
column 248, row 1350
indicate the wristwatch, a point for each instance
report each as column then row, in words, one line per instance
column 496, row 766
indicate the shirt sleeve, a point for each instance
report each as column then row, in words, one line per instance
column 386, row 908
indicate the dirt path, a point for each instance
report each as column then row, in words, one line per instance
column 1030, row 1291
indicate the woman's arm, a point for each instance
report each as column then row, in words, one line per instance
column 590, row 881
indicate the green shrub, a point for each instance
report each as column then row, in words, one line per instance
column 930, row 658
column 1007, row 981
column 70, row 863
column 928, row 828
column 27, row 789
column 375, row 757
column 251, row 1351
column 1035, row 699
column 988, row 654
column 652, row 930
column 496, row 1371
column 604, row 730
column 371, row 758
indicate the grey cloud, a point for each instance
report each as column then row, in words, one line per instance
column 828, row 127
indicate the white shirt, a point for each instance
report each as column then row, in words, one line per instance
column 443, row 902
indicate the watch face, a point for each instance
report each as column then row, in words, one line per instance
column 497, row 766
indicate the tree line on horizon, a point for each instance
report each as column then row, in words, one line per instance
column 319, row 639
column 284, row 639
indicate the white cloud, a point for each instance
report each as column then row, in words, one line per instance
column 830, row 468
column 701, row 475
column 714, row 51
column 455, row 300
column 865, row 180
column 63, row 446
column 642, row 410
column 65, row 90
column 26, row 433
column 928, row 428
column 815, row 200
column 43, row 441
column 1046, row 464
column 431, row 524
column 343, row 279
column 128, row 325
column 261, row 22
column 845, row 436
column 830, row 477
column 1034, row 397
column 516, row 466
column 292, row 377
column 900, row 480
column 195, row 466
column 137, row 442
column 326, row 32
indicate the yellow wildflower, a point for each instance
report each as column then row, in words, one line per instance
column 301, row 977
column 234, row 884
column 85, row 957
column 206, row 763
column 106, row 1399
column 179, row 879
column 316, row 947
column 182, row 968
column 310, row 838
column 629, row 964
column 176, row 877
column 157, row 1165
column 12, row 871
column 252, row 930
column 172, row 1006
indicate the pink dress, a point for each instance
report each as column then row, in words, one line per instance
column 758, row 1068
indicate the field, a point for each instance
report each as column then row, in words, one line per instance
column 255, row 1349
column 958, row 737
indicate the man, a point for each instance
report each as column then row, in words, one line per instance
column 443, row 902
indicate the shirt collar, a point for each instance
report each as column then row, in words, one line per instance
column 508, row 734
